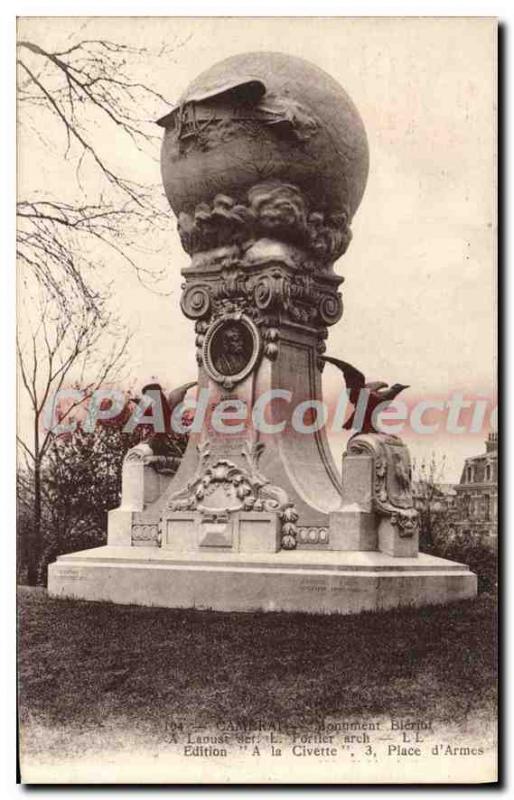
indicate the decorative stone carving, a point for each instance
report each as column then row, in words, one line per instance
column 265, row 118
column 264, row 174
column 272, row 210
column 392, row 491
column 231, row 349
column 142, row 454
column 195, row 301
column 202, row 126
column 221, row 487
column 146, row 535
column 406, row 522
column 281, row 292
column 313, row 535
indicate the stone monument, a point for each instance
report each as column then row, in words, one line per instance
column 264, row 163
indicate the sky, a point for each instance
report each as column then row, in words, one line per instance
column 420, row 273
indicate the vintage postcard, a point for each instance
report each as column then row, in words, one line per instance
column 257, row 409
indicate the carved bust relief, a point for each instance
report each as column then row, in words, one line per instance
column 231, row 349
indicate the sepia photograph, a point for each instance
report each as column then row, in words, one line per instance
column 257, row 430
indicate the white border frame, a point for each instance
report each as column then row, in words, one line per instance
column 429, row 8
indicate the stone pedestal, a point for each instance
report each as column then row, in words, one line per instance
column 120, row 525
column 353, row 526
column 358, row 481
column 142, row 480
column 376, row 511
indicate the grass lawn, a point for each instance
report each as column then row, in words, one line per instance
column 84, row 666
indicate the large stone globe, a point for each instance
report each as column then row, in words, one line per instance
column 265, row 118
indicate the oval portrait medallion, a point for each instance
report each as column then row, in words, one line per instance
column 231, row 349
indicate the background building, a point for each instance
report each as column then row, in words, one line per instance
column 477, row 493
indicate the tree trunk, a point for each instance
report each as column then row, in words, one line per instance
column 34, row 548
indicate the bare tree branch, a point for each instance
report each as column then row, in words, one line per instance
column 86, row 88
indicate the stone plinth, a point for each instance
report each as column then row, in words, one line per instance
column 309, row 581
column 376, row 511
column 243, row 531
column 353, row 529
column 391, row 542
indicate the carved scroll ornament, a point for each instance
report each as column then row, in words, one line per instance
column 222, row 487
column 392, row 491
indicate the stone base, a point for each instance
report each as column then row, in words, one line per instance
column 393, row 544
column 308, row 581
column 353, row 529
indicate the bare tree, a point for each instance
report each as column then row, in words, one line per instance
column 56, row 352
column 81, row 108
column 430, row 498
column 75, row 103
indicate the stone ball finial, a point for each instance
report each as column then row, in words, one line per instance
column 265, row 137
